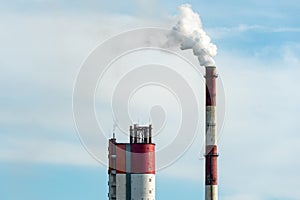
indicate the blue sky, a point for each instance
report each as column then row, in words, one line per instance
column 44, row 42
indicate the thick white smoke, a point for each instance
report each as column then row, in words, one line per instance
column 189, row 33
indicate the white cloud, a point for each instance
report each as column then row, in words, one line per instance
column 40, row 59
column 224, row 32
column 45, row 151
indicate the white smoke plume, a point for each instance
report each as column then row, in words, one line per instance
column 189, row 33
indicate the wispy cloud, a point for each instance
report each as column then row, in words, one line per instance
column 223, row 32
column 44, row 151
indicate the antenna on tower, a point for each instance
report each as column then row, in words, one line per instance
column 114, row 129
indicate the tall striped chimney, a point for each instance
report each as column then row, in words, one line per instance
column 211, row 151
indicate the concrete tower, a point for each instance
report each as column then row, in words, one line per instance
column 132, row 166
column 211, row 152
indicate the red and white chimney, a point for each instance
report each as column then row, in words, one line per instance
column 211, row 152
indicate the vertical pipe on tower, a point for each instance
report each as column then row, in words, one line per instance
column 131, row 135
column 150, row 133
column 135, row 133
column 211, row 152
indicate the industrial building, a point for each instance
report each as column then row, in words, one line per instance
column 132, row 166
